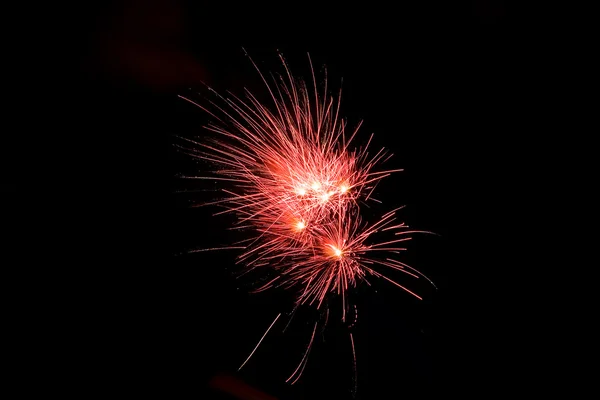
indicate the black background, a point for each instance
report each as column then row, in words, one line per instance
column 441, row 84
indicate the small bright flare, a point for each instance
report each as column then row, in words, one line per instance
column 343, row 189
column 300, row 225
column 335, row 251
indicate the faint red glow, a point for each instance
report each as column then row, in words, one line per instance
column 238, row 388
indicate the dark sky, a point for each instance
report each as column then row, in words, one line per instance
column 435, row 82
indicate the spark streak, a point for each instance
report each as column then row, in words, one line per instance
column 260, row 341
column 304, row 358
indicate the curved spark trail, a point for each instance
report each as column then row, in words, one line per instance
column 304, row 358
column 296, row 183
column 260, row 341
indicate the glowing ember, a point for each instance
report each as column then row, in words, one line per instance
column 336, row 252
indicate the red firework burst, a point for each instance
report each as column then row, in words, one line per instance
column 297, row 182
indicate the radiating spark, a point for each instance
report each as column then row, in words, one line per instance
column 216, row 248
column 260, row 341
column 304, row 358
column 354, row 365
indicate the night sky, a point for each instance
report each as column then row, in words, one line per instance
column 433, row 80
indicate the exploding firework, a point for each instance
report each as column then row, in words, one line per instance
column 296, row 183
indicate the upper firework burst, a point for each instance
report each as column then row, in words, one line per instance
column 297, row 182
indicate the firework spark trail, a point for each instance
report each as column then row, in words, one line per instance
column 260, row 341
column 354, row 364
column 304, row 358
column 296, row 181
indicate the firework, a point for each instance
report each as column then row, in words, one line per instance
column 297, row 184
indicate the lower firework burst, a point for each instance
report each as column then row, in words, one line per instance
column 297, row 184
